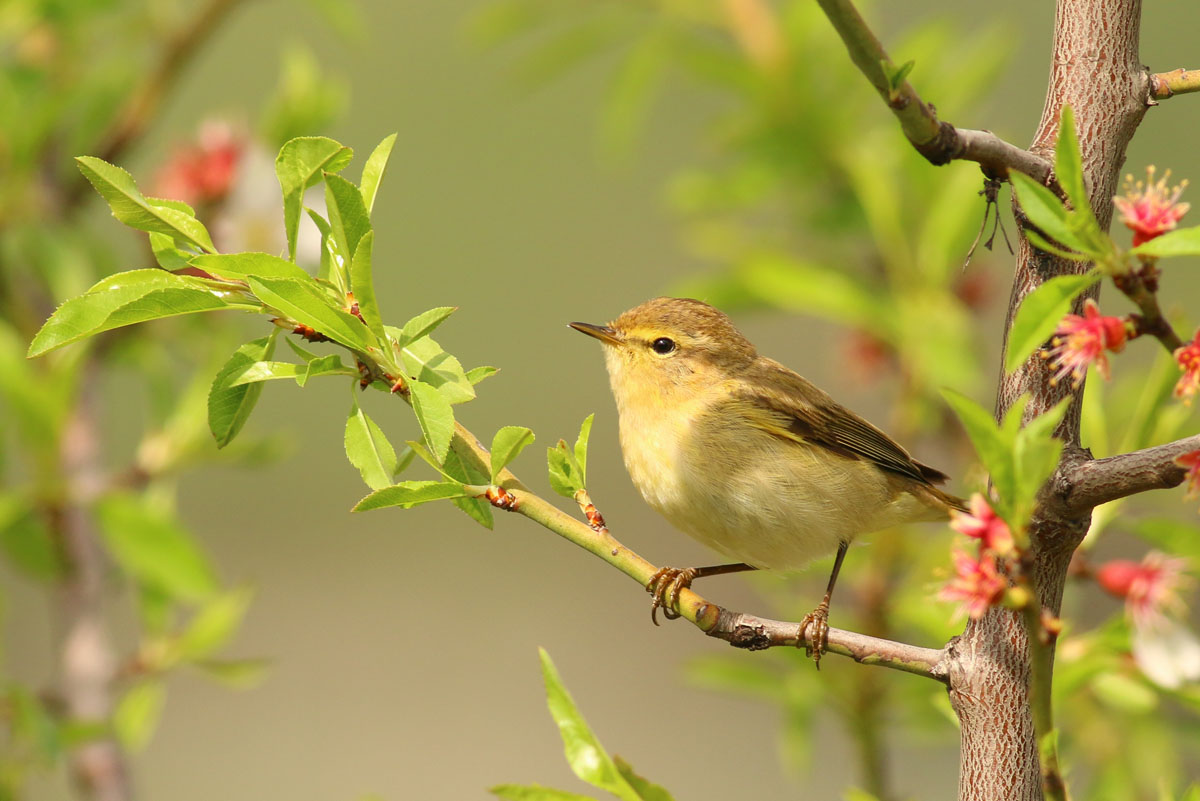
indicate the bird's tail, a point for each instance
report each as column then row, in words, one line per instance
column 938, row 498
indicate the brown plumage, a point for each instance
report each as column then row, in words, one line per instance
column 745, row 455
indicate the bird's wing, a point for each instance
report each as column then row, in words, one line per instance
column 789, row 406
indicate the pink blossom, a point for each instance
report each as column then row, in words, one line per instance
column 1188, row 359
column 1150, row 587
column 982, row 523
column 1191, row 479
column 1081, row 341
column 977, row 583
column 1151, row 208
column 202, row 172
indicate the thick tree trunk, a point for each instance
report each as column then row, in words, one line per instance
column 1095, row 69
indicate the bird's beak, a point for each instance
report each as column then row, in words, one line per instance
column 604, row 333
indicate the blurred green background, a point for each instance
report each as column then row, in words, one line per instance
column 404, row 643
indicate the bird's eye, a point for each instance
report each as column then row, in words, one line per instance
column 663, row 346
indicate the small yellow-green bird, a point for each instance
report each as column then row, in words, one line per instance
column 748, row 457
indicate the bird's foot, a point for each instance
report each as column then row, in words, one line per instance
column 665, row 586
column 818, row 638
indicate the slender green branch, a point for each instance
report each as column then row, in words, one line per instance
column 1041, row 675
column 936, row 140
column 1176, row 82
column 741, row 630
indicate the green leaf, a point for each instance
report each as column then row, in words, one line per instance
column 31, row 723
column 138, row 712
column 508, row 442
column 152, row 548
column 299, row 350
column 211, row 628
column 315, row 367
column 534, row 792
column 1042, row 243
column 167, row 252
column 423, row 324
column 816, row 289
column 568, row 468
column 368, row 449
column 362, row 284
column 1035, row 457
column 1040, row 313
column 435, row 416
column 26, row 541
column 325, row 271
column 1124, row 693
column 646, row 790
column 565, row 476
column 477, row 374
column 992, row 446
column 348, row 217
column 459, row 469
column 425, row 360
column 1184, row 242
column 1068, row 164
column 238, row 266
column 323, row 366
column 238, row 674
column 858, row 794
column 135, row 210
column 373, row 170
column 1044, row 209
column 585, row 755
column 408, row 494
column 299, row 165
column 126, row 298
column 419, row 449
column 581, row 446
column 1170, row 536
column 35, row 401
column 895, row 76
column 305, row 302
column 257, row 372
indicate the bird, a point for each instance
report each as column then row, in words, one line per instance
column 749, row 457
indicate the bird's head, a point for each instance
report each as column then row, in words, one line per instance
column 669, row 346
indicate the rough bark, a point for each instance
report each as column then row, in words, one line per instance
column 1096, row 70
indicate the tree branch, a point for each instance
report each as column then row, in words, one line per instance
column 1092, row 483
column 738, row 629
column 938, row 141
column 1140, row 287
column 144, row 101
column 1176, row 82
column 757, row 633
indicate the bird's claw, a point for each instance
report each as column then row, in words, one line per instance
column 818, row 641
column 665, row 587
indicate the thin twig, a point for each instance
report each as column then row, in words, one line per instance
column 938, row 141
column 1176, row 82
column 739, row 629
column 145, row 100
column 1091, row 483
column 1141, row 287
